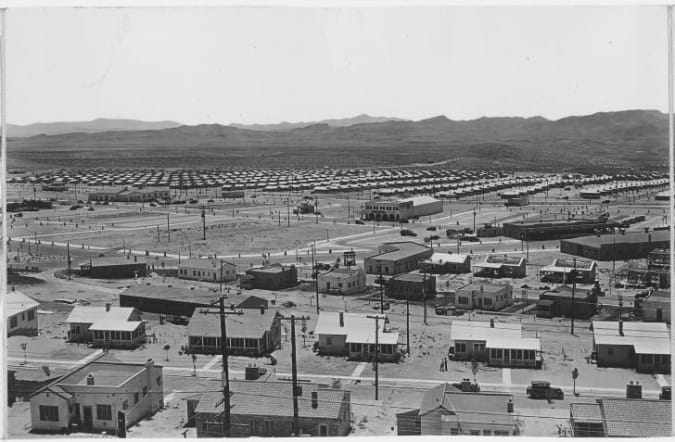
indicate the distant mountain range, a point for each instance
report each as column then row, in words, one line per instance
column 111, row 124
column 628, row 139
column 98, row 125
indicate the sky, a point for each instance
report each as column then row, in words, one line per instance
column 273, row 64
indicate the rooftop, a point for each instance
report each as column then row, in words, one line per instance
column 481, row 331
column 185, row 294
column 411, row 277
column 207, row 264
column 443, row 258
column 660, row 236
column 587, row 413
column 637, row 417
column 479, row 408
column 343, row 271
column 486, row 286
column 399, row 250
column 273, row 268
column 645, row 337
column 17, row 302
column 252, row 324
column 274, row 399
column 419, row 200
column 89, row 315
column 358, row 328
column 550, row 222
column 114, row 261
column 505, row 260
column 566, row 265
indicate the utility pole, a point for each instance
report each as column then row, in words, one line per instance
column 227, row 427
column 316, row 208
column 424, row 295
column 288, row 209
column 203, row 224
column 474, row 220
column 37, row 246
column 294, row 373
column 574, row 286
column 68, row 252
column 377, row 344
column 221, row 276
column 157, row 233
column 168, row 226
column 407, row 323
column 381, row 292
column 316, row 278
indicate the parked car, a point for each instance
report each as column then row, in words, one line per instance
column 177, row 319
column 431, row 228
column 385, row 306
column 543, row 390
column 470, row 238
column 358, row 221
column 65, row 301
column 83, row 302
column 408, row 232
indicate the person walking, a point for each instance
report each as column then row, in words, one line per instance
column 445, row 364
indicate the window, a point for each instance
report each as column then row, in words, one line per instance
column 323, row 430
column 519, row 354
column 13, row 322
column 23, row 316
column 476, row 347
column 159, row 380
column 487, row 432
column 145, row 391
column 610, row 351
column 49, row 413
column 475, row 432
column 329, row 341
column 463, row 300
column 251, row 343
column 125, row 405
column 103, row 412
column 136, row 398
column 501, row 433
column 460, row 348
column 238, row 342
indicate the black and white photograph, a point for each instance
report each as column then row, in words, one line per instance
column 336, row 221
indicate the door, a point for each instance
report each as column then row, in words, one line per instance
column 507, row 357
column 323, row 430
column 87, row 420
column 659, row 315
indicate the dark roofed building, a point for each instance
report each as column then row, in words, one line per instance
column 544, row 229
column 501, row 266
column 114, row 267
column 558, row 303
column 265, row 409
column 412, row 286
column 164, row 300
column 254, row 333
column 622, row 246
column 396, row 257
column 272, row 277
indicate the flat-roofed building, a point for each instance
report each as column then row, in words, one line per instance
column 444, row 263
column 108, row 327
column 254, row 333
column 644, row 346
column 21, row 314
column 353, row 335
column 561, row 269
column 562, row 227
column 342, row 281
column 558, row 303
column 208, row 270
column 497, row 343
column 484, row 295
column 621, row 246
column 94, row 397
column 501, row 266
column 130, row 195
column 402, row 209
column 165, row 300
column 412, row 286
column 396, row 257
column 272, row 277
column 114, row 267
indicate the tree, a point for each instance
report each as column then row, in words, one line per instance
column 194, row 364
column 167, row 347
column 575, row 375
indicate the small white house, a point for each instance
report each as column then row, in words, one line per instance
column 21, row 314
column 207, row 270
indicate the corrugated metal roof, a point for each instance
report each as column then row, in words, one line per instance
column 89, row 315
column 252, row 324
column 637, row 417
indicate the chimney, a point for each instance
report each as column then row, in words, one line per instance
column 492, row 323
column 509, row 406
column 315, row 399
column 90, row 379
column 633, row 390
column 107, row 306
column 620, row 327
column 342, row 319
